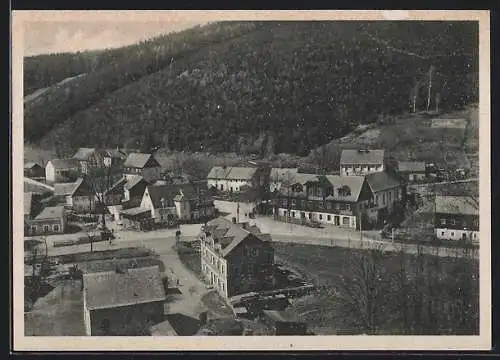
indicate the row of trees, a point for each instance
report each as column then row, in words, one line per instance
column 420, row 294
column 301, row 84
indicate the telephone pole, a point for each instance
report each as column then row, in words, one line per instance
column 360, row 231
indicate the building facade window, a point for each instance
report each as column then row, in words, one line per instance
column 46, row 228
column 443, row 221
column 293, row 213
column 320, row 217
column 294, row 203
column 348, row 207
column 56, row 228
column 329, row 217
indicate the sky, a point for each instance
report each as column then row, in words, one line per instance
column 44, row 37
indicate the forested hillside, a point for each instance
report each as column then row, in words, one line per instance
column 261, row 87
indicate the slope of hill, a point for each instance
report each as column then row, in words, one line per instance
column 263, row 87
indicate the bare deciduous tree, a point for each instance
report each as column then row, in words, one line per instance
column 362, row 294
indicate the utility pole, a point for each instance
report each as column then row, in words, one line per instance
column 360, row 231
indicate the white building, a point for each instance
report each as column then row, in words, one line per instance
column 361, row 162
column 231, row 179
column 61, row 170
column 456, row 218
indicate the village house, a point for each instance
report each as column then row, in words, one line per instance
column 185, row 202
column 51, row 220
column 114, row 157
column 411, row 171
column 125, row 193
column 332, row 199
column 89, row 158
column 235, row 259
column 82, row 198
column 169, row 204
column 386, row 193
column 232, row 179
column 278, row 175
column 63, row 191
column 361, row 162
column 125, row 302
column 342, row 201
column 34, row 170
column 457, row 218
column 61, row 170
column 144, row 165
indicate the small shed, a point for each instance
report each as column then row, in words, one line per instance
column 284, row 323
column 412, row 170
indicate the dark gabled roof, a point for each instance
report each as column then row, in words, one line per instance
column 64, row 164
column 140, row 161
column 135, row 286
column 380, row 181
column 64, row 189
column 167, row 192
column 354, row 183
column 52, row 212
column 371, row 157
column 415, row 166
column 164, row 161
column 31, row 165
column 117, row 187
column 463, row 205
column 82, row 186
column 230, row 235
column 132, row 181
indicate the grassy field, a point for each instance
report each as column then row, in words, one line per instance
column 329, row 267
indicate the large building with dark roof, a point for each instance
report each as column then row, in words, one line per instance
column 123, row 302
column 344, row 201
column 235, row 258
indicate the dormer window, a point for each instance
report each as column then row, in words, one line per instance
column 344, row 191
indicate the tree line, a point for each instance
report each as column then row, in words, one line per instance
column 258, row 87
